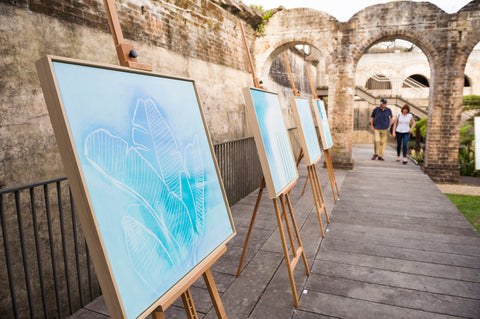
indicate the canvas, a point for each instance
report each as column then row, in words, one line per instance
column 322, row 122
column 477, row 142
column 150, row 175
column 306, row 129
column 264, row 115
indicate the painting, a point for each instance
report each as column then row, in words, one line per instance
column 306, row 129
column 322, row 122
column 477, row 143
column 264, row 116
column 146, row 162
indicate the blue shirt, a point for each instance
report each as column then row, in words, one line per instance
column 383, row 118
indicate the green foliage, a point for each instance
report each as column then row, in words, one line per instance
column 466, row 154
column 469, row 206
column 471, row 102
column 260, row 28
column 266, row 14
column 421, row 127
column 467, row 136
column 418, row 156
column 257, row 7
column 466, row 162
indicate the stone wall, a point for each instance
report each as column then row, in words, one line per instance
column 195, row 39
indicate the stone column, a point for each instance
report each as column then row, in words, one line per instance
column 444, row 119
column 341, row 88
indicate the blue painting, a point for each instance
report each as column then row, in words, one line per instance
column 303, row 115
column 150, row 174
column 280, row 169
column 477, row 142
column 323, row 126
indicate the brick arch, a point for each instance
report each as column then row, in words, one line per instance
column 278, row 50
column 418, row 39
column 290, row 27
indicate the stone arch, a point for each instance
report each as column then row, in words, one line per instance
column 416, row 38
column 263, row 72
column 291, row 27
column 420, row 78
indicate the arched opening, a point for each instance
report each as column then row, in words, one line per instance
column 306, row 63
column 466, row 82
column 416, row 80
column 470, row 109
column 301, row 56
column 396, row 69
column 378, row 82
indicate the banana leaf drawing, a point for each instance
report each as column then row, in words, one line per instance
column 164, row 229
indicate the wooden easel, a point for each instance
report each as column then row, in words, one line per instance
column 284, row 215
column 312, row 170
column 326, row 151
column 127, row 57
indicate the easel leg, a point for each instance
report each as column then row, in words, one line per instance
column 297, row 233
column 285, row 252
column 315, row 198
column 300, row 156
column 331, row 175
column 287, row 225
column 304, row 187
column 189, row 305
column 319, row 188
column 254, row 215
column 158, row 314
column 212, row 290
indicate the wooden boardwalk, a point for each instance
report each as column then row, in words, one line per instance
column 396, row 247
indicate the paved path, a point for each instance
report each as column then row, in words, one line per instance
column 396, row 247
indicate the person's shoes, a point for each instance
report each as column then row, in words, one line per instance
column 380, row 158
column 405, row 162
column 374, row 157
column 398, row 160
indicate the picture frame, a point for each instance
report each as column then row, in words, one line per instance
column 306, row 129
column 477, row 142
column 322, row 122
column 144, row 178
column 264, row 116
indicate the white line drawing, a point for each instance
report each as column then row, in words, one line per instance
column 170, row 191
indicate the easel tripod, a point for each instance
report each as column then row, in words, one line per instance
column 283, row 213
column 312, row 170
column 127, row 57
column 326, row 152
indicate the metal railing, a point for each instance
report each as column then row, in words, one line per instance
column 239, row 166
column 45, row 268
column 47, row 271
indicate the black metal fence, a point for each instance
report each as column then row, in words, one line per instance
column 45, row 268
column 46, row 272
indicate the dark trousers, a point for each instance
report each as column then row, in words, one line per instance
column 402, row 139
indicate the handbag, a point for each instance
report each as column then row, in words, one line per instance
column 391, row 126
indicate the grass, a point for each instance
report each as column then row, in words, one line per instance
column 469, row 206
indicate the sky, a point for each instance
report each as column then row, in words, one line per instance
column 343, row 10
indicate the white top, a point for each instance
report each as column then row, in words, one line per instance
column 403, row 123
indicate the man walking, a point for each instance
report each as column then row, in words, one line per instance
column 380, row 121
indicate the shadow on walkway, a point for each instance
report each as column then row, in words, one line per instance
column 396, row 247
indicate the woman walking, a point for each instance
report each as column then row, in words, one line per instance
column 402, row 130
